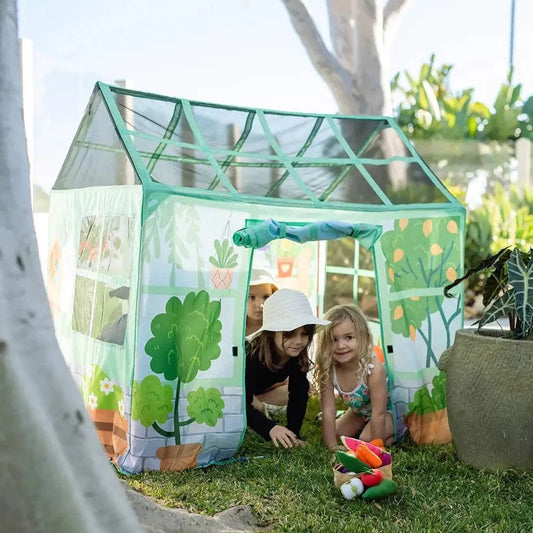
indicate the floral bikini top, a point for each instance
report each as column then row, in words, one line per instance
column 359, row 398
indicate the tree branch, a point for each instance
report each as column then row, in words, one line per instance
column 342, row 32
column 392, row 15
column 323, row 60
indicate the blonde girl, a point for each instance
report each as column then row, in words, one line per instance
column 346, row 363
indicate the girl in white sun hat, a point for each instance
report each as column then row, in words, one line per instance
column 280, row 350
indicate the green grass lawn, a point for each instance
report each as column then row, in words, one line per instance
column 294, row 490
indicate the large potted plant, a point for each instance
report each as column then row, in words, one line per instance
column 489, row 370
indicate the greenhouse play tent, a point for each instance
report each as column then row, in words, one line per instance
column 160, row 209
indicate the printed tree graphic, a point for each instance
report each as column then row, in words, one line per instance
column 185, row 340
column 421, row 254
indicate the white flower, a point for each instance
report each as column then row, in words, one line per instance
column 92, row 402
column 106, row 386
column 121, row 406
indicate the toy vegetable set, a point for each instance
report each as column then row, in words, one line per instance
column 364, row 470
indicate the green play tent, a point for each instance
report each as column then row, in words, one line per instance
column 160, row 210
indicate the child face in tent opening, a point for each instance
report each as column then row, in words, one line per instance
column 257, row 296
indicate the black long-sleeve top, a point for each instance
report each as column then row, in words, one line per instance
column 259, row 379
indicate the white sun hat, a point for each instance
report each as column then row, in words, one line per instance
column 262, row 276
column 287, row 310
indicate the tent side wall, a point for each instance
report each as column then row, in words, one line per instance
column 94, row 237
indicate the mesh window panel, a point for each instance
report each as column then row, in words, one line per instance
column 366, row 296
column 100, row 308
column 361, row 133
column 336, row 183
column 408, row 184
column 340, row 252
column 97, row 156
column 338, row 290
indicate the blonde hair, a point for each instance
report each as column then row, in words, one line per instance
column 263, row 347
column 324, row 358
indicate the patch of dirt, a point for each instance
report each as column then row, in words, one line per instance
column 155, row 518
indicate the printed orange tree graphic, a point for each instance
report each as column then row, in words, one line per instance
column 421, row 254
column 185, row 340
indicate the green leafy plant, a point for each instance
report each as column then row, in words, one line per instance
column 505, row 216
column 507, row 290
column 185, row 340
column 225, row 256
column 427, row 108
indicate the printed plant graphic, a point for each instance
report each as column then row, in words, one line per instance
column 185, row 340
column 100, row 392
column 421, row 254
column 164, row 231
column 223, row 263
column 225, row 256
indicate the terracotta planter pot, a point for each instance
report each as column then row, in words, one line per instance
column 489, row 397
column 178, row 457
column 112, row 431
column 430, row 428
column 221, row 278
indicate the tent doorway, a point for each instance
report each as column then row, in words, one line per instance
column 324, row 260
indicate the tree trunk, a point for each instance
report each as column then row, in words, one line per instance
column 54, row 475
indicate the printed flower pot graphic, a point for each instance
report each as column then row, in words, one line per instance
column 429, row 428
column 221, row 278
column 427, row 419
column 112, row 431
column 178, row 457
column 105, row 403
column 285, row 266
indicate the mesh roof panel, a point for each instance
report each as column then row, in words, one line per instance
column 311, row 157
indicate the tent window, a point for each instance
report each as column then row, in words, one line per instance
column 350, row 276
column 101, row 292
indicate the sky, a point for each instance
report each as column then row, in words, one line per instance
column 240, row 52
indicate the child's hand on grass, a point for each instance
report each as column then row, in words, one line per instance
column 285, row 437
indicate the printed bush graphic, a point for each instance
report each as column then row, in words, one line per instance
column 185, row 341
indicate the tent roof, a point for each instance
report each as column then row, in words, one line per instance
column 246, row 154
